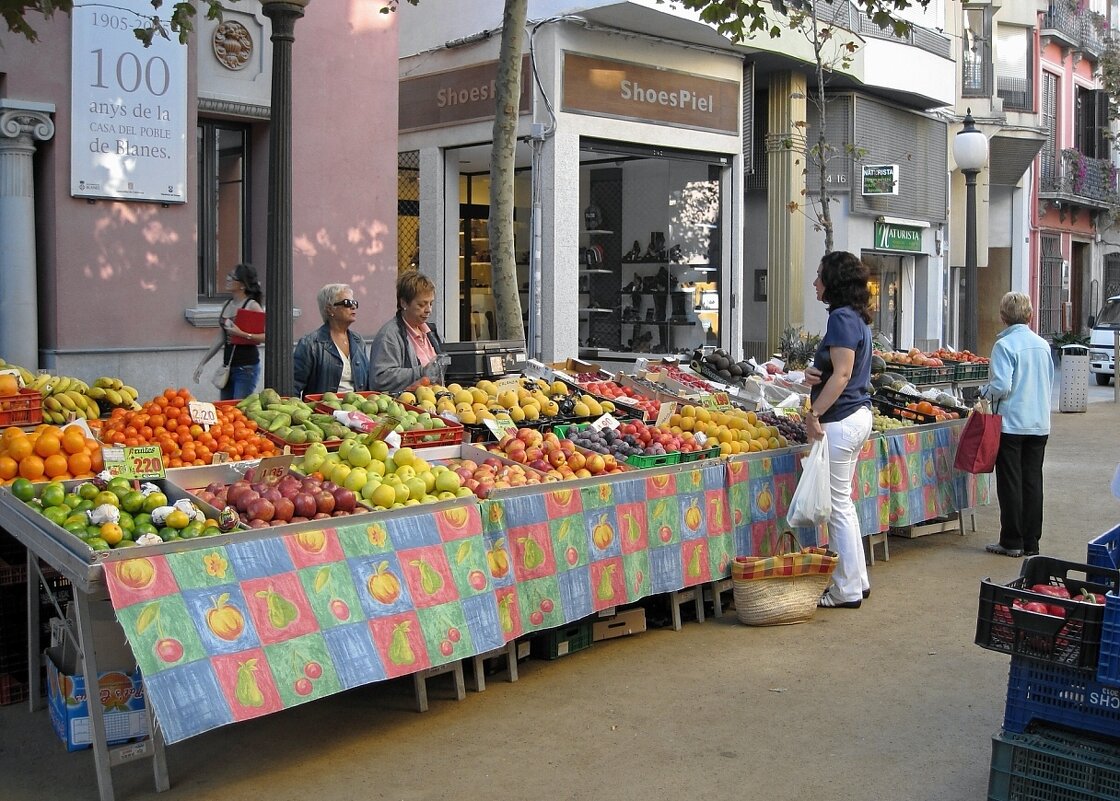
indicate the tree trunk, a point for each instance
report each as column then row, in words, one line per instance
column 503, row 258
column 823, row 153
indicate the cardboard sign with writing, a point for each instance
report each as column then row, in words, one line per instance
column 667, row 410
column 140, row 461
column 606, row 421
column 273, row 468
column 205, row 414
column 500, row 428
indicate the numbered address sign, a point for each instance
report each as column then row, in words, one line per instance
column 128, row 106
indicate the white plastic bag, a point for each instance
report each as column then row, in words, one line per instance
column 811, row 503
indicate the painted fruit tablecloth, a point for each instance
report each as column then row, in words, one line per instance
column 229, row 632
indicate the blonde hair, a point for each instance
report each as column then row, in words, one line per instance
column 1015, row 308
column 411, row 283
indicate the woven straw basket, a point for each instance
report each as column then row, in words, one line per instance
column 783, row 589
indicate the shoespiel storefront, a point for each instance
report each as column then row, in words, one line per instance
column 629, row 170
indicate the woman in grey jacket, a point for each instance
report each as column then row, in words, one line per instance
column 407, row 348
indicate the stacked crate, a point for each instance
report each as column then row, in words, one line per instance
column 1061, row 728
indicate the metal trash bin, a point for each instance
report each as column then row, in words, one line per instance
column 1074, row 395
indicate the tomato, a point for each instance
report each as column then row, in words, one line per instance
column 1090, row 598
column 1050, row 589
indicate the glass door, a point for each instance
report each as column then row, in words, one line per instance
column 885, row 295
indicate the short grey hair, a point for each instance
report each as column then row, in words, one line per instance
column 1015, row 308
column 328, row 296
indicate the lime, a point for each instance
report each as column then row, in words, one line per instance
column 120, row 492
column 210, row 531
column 72, row 499
column 125, row 544
column 93, row 531
column 126, row 521
column 154, row 501
column 77, row 529
column 106, row 497
column 88, row 490
column 167, row 533
column 56, row 514
column 143, row 517
column 23, row 489
column 132, row 501
column 84, row 506
column 97, row 544
column 191, row 530
column 75, row 518
column 140, row 529
column 119, row 481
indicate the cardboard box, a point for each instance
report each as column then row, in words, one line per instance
column 122, row 698
column 628, row 621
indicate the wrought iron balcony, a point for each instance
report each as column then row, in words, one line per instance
column 1079, row 180
column 1074, row 26
column 1017, row 93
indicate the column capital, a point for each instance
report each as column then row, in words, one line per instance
column 20, row 118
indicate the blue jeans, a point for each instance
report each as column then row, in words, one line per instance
column 242, row 382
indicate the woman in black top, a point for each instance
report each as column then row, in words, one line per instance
column 244, row 360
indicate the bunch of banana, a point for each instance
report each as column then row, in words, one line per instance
column 65, row 398
column 113, row 392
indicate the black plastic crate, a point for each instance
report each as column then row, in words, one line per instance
column 1072, row 639
column 902, row 398
column 1047, row 763
column 898, row 412
column 561, row 641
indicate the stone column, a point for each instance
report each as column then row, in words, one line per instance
column 21, row 125
column 786, row 158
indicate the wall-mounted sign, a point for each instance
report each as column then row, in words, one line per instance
column 608, row 88
column 128, row 107
column 898, row 237
column 880, row 179
column 455, row 97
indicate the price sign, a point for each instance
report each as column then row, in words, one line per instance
column 606, row 421
column 723, row 400
column 500, row 428
column 511, row 384
column 666, row 411
column 220, row 457
column 205, row 414
column 272, row 469
column 141, row 461
column 707, row 402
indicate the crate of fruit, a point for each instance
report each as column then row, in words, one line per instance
column 429, row 430
column 924, row 374
column 899, row 412
column 1050, row 763
column 25, row 408
column 696, row 456
column 1042, row 692
column 1052, row 613
column 968, row 371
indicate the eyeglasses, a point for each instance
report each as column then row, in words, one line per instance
column 232, row 277
column 349, row 304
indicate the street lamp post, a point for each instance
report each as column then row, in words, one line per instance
column 278, row 269
column 970, row 151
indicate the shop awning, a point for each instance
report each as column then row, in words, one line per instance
column 1011, row 152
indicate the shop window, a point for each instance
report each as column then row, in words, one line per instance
column 223, row 202
column 976, row 52
column 651, row 267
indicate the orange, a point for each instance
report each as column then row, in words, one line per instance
column 11, row 432
column 8, row 384
column 96, row 463
column 20, row 447
column 111, row 533
column 48, row 444
column 79, row 463
column 73, row 440
column 9, row 468
column 55, row 465
column 31, row 467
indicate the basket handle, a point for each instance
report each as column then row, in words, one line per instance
column 791, row 538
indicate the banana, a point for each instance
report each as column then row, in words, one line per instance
column 78, row 398
column 27, row 375
column 96, row 392
column 39, row 381
column 66, row 401
column 114, row 397
column 104, row 382
column 79, row 385
column 60, row 384
column 131, row 391
column 52, row 404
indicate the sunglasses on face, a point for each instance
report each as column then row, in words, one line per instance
column 349, row 304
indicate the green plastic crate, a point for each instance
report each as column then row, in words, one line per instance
column 1047, row 764
column 561, row 641
column 641, row 462
column 696, row 456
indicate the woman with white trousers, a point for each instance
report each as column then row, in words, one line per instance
column 840, row 406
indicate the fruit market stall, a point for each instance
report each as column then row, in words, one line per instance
column 539, row 531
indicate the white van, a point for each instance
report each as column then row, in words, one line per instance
column 1102, row 341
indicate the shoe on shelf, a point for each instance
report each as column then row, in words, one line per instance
column 996, row 548
column 828, row 602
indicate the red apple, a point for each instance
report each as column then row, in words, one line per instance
column 305, row 505
column 261, row 509
column 285, row 508
column 324, row 501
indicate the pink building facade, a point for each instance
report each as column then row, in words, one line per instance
column 96, row 286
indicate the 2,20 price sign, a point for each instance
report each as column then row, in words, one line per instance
column 139, row 462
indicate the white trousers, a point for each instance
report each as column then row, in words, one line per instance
column 845, row 440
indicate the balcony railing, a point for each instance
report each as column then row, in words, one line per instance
column 1075, row 25
column 1017, row 93
column 1090, row 182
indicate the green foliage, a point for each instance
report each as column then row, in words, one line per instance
column 1069, row 338
column 798, row 347
column 739, row 20
column 181, row 22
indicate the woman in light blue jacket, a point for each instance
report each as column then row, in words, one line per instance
column 1022, row 373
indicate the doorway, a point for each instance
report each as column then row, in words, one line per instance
column 885, row 285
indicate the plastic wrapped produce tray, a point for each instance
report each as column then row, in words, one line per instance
column 1073, row 641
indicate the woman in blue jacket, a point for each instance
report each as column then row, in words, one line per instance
column 332, row 358
column 1022, row 373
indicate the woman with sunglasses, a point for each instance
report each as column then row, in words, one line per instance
column 244, row 360
column 408, row 349
column 332, row 358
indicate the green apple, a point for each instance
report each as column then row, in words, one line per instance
column 355, row 479
column 359, row 455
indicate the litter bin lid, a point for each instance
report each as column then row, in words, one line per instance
column 1083, row 349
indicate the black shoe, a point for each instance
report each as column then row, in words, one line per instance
column 828, row 602
column 996, row 548
column 867, row 593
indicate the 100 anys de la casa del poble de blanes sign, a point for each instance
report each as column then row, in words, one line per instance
column 623, row 90
column 128, row 104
